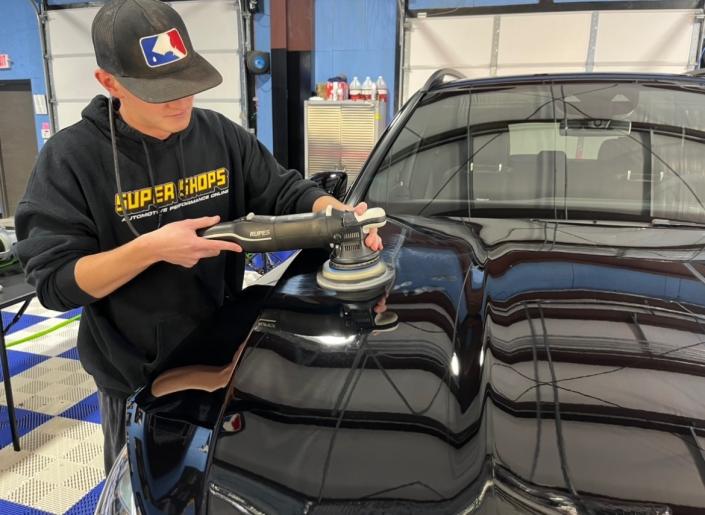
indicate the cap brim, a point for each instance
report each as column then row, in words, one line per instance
column 198, row 76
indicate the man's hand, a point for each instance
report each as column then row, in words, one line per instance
column 178, row 243
column 381, row 305
column 101, row 274
column 373, row 240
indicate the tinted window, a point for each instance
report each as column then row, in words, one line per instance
column 608, row 151
column 429, row 149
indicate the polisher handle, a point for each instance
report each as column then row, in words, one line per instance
column 257, row 233
column 373, row 217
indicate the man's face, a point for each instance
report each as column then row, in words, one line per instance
column 157, row 120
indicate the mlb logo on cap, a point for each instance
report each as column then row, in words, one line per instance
column 164, row 48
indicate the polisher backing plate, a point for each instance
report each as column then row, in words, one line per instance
column 354, row 280
column 360, row 274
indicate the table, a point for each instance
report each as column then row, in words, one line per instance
column 14, row 290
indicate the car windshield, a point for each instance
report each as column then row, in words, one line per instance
column 600, row 150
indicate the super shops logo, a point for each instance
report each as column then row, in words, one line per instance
column 173, row 195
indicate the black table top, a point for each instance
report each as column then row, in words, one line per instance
column 14, row 289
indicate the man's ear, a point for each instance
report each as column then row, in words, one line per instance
column 108, row 81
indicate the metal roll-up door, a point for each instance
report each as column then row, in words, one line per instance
column 215, row 30
column 648, row 40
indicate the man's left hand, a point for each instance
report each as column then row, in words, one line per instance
column 373, row 240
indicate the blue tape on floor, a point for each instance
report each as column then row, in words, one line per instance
column 20, row 361
column 24, row 321
column 85, row 506
column 10, row 508
column 26, row 422
column 86, row 410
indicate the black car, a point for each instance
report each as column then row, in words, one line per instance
column 541, row 348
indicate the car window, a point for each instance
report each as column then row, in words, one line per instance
column 429, row 147
column 589, row 150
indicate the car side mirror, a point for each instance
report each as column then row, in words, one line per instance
column 335, row 183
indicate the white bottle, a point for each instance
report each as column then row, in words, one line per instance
column 355, row 89
column 367, row 89
column 382, row 90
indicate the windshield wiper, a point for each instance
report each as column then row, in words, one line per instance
column 665, row 222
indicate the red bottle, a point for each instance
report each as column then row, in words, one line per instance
column 382, row 90
column 355, row 89
column 367, row 89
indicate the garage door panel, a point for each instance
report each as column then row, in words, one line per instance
column 531, row 69
column 563, row 41
column 73, row 78
column 637, row 68
column 650, row 40
column 68, row 113
column 210, row 26
column 229, row 67
column 69, row 31
column 454, row 42
column 641, row 37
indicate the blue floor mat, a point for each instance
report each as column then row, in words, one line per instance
column 26, row 422
column 85, row 506
column 10, row 508
column 24, row 321
column 20, row 361
column 87, row 410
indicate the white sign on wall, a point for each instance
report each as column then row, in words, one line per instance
column 40, row 104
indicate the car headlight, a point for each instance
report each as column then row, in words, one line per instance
column 117, row 498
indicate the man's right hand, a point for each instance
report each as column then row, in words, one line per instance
column 101, row 274
column 178, row 243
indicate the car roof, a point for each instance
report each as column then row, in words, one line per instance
column 435, row 82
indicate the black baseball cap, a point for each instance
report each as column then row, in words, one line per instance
column 144, row 43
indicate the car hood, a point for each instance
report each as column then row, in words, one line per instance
column 519, row 365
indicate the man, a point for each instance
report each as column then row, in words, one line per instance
column 110, row 214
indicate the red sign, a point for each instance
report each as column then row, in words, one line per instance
column 4, row 61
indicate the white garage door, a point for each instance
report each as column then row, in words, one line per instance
column 214, row 27
column 655, row 40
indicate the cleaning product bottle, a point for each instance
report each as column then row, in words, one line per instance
column 367, row 89
column 382, row 90
column 355, row 89
column 344, row 87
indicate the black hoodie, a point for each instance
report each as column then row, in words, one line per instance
column 72, row 209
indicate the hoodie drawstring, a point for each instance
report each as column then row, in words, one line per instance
column 182, row 161
column 150, row 173
column 116, row 166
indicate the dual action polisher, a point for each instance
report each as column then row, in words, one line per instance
column 352, row 267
